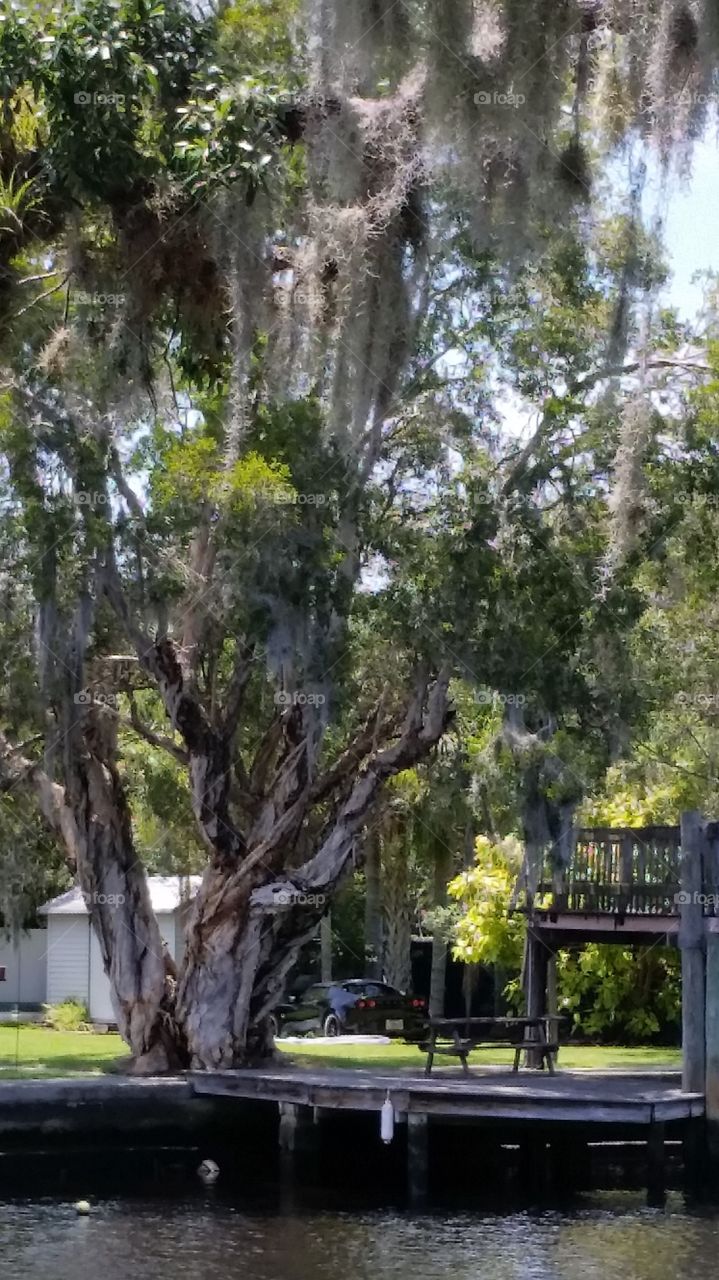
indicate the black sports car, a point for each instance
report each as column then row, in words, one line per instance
column 359, row 1006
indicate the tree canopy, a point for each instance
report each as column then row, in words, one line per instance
column 279, row 285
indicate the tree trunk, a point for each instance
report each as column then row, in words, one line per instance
column 397, row 914
column 256, row 907
column 326, row 947
column 89, row 816
column 438, row 977
column 373, row 907
column 226, row 946
column 114, row 886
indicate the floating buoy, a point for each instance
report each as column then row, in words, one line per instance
column 386, row 1127
column 208, row 1172
column 82, row 1207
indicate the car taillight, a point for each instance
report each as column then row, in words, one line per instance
column 371, row 1004
column 418, row 1004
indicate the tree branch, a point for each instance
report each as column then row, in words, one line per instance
column 28, row 775
column 237, row 687
column 375, row 729
column 154, row 739
column 586, row 382
column 427, row 718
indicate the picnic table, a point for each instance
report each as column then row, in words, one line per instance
column 457, row 1037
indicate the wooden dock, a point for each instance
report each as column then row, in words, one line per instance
column 572, row 1107
column 583, row 1097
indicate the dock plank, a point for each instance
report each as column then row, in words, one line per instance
column 569, row 1097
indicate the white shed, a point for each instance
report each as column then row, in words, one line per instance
column 74, row 963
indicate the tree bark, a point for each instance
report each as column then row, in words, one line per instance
column 438, row 977
column 396, row 908
column 249, row 925
column 255, row 911
column 89, row 815
column 326, row 947
column 373, row 907
column 115, row 889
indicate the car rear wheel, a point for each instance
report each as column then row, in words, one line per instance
column 331, row 1025
column 273, row 1026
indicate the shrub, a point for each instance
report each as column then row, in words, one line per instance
column 622, row 996
column 70, row 1015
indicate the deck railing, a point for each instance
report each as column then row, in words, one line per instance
column 617, row 871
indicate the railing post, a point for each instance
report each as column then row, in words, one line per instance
column 626, row 871
column 559, row 888
column 537, row 961
column 692, row 944
column 711, row 924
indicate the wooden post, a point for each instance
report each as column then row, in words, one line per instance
column 552, row 992
column 712, row 1038
column 656, row 1165
column 627, row 871
column 694, row 1144
column 417, row 1158
column 287, row 1138
column 299, row 1128
column 289, row 1120
column 692, row 943
column 711, row 924
column 536, row 985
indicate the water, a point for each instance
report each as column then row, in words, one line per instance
column 609, row 1236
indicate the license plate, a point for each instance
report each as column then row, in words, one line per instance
column 394, row 1024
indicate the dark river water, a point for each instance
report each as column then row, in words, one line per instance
column 609, row 1236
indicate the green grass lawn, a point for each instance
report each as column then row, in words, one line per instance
column 35, row 1053
column 394, row 1056
column 44, row 1054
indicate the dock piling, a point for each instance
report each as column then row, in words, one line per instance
column 417, row 1158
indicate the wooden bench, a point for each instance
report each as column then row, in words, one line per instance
column 458, row 1037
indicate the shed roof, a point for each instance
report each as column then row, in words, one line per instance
column 167, row 893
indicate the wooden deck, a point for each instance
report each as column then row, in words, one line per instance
column 586, row 1098
column 622, row 885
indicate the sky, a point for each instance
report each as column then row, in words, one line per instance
column 691, row 231
column 689, row 207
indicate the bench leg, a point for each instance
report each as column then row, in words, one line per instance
column 463, row 1059
column 550, row 1064
column 517, row 1056
column 428, row 1065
